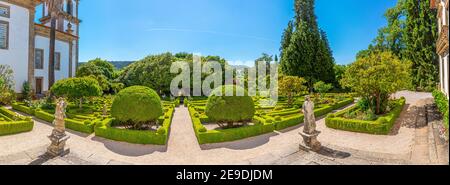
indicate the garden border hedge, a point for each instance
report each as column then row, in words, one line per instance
column 381, row 126
column 86, row 126
column 262, row 125
column 26, row 124
column 80, row 126
column 298, row 119
column 159, row 137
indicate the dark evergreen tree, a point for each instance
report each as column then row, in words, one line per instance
column 285, row 42
column 307, row 54
column 420, row 36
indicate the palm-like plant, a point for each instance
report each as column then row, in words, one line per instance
column 54, row 8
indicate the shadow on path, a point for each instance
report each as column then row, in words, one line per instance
column 127, row 149
column 45, row 158
column 328, row 152
column 243, row 144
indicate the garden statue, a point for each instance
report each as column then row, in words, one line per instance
column 309, row 133
column 58, row 137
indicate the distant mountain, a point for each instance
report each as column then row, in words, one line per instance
column 121, row 64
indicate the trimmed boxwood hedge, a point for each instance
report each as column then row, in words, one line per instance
column 23, row 108
column 18, row 124
column 159, row 137
column 381, row 126
column 85, row 126
column 80, row 126
column 297, row 119
column 217, row 136
column 262, row 125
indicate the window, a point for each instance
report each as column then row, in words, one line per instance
column 39, row 59
column 4, row 35
column 4, row 11
column 69, row 8
column 57, row 61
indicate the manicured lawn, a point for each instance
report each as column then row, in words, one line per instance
column 266, row 120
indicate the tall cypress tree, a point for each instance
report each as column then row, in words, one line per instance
column 420, row 36
column 308, row 54
column 325, row 60
column 285, row 42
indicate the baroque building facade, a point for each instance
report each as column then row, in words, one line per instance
column 443, row 43
column 25, row 40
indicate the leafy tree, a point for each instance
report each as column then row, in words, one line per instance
column 101, row 70
column 7, row 94
column 411, row 34
column 152, row 71
column 77, row 88
column 339, row 71
column 376, row 77
column 391, row 37
column 322, row 87
column 289, row 86
column 26, row 91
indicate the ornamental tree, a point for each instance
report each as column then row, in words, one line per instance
column 136, row 106
column 376, row 76
column 101, row 70
column 230, row 109
column 6, row 84
column 77, row 89
column 291, row 85
column 322, row 87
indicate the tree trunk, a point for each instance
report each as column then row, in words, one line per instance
column 51, row 60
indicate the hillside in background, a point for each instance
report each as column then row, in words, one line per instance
column 121, row 64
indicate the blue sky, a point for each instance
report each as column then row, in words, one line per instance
column 238, row 30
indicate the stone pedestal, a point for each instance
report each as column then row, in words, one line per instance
column 310, row 142
column 57, row 147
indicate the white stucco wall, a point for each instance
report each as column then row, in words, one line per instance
column 446, row 75
column 61, row 47
column 16, row 55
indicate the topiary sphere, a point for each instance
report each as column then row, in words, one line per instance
column 137, row 104
column 230, row 108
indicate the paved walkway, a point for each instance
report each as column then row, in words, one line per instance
column 274, row 148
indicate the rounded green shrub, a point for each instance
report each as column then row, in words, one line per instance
column 278, row 118
column 230, row 108
column 202, row 129
column 137, row 104
column 161, row 131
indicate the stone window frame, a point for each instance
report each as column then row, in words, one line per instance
column 8, row 11
column 41, row 58
column 7, row 34
column 57, row 61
